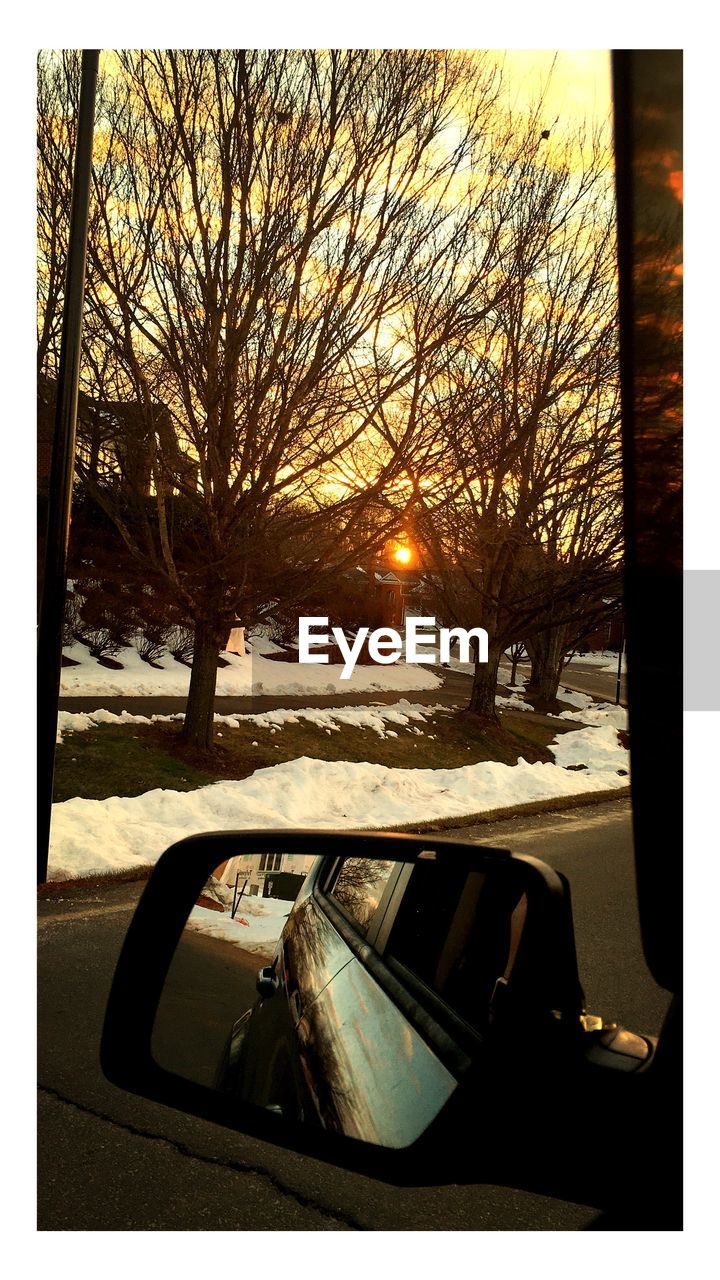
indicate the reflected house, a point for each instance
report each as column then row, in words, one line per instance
column 266, row 875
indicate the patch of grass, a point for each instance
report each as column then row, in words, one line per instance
column 128, row 760
column 97, row 880
column 121, row 760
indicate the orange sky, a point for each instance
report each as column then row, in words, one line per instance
column 577, row 87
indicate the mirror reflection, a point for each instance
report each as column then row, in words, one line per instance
column 347, row 993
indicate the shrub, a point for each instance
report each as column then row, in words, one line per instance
column 151, row 643
column 180, row 642
column 71, row 619
column 283, row 626
column 153, row 615
column 105, row 622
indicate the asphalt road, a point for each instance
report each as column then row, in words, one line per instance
column 110, row 1161
column 587, row 678
column 209, row 985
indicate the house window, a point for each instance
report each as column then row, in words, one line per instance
column 270, row 861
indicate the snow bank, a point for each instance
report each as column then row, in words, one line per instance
column 244, row 676
column 599, row 714
column 256, row 927
column 575, row 698
column 605, row 661
column 103, row 835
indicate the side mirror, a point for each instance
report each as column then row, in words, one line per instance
column 266, row 983
column 408, row 975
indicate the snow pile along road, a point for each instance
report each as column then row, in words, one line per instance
column 600, row 713
column 91, row 836
column 242, row 677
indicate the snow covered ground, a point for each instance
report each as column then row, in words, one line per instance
column 575, row 698
column 90, row 836
column 376, row 717
column 601, row 713
column 251, row 674
column 605, row 661
column 513, row 703
column 256, row 927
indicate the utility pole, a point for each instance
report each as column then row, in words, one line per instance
column 52, row 602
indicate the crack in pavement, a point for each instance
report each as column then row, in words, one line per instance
column 235, row 1166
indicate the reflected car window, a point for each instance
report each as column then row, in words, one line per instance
column 459, row 936
column 358, row 888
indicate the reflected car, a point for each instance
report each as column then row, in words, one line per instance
column 386, row 987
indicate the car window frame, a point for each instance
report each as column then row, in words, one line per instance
column 326, row 882
column 454, row 1040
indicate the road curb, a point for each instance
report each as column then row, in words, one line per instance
column 558, row 804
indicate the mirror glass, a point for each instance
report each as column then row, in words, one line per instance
column 348, row 993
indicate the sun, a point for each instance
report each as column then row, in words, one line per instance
column 403, row 555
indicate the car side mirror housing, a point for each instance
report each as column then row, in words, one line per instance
column 407, row 976
column 266, row 983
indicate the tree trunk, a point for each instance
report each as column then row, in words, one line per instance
column 482, row 698
column 517, row 653
column 547, row 650
column 200, row 709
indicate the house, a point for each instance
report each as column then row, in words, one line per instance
column 258, row 870
column 384, row 597
column 608, row 634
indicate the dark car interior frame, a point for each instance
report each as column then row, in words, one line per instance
column 644, row 1175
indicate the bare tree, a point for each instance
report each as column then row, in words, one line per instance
column 583, row 534
column 528, row 416
column 518, row 653
column 267, row 228
column 333, row 295
column 57, row 103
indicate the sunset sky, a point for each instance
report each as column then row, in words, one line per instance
column 577, row 86
column 576, row 81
